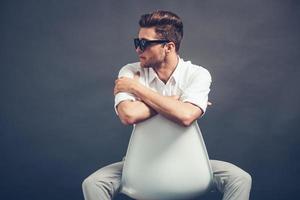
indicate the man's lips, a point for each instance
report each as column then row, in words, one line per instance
column 141, row 57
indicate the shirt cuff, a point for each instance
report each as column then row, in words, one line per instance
column 122, row 96
column 201, row 104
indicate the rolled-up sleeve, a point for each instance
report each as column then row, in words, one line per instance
column 126, row 71
column 197, row 89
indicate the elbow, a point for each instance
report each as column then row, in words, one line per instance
column 186, row 122
column 187, row 119
column 126, row 117
column 127, row 120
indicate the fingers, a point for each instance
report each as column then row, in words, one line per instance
column 136, row 76
column 115, row 91
column 117, row 83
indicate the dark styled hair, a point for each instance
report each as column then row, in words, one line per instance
column 168, row 26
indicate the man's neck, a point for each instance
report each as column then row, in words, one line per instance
column 165, row 70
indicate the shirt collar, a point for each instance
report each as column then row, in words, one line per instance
column 152, row 75
column 175, row 74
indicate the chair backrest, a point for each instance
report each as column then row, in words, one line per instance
column 165, row 161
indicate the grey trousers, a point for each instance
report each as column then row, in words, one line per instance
column 233, row 182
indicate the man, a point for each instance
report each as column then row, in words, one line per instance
column 163, row 83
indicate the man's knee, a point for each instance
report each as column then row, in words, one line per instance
column 96, row 179
column 247, row 179
column 101, row 182
column 88, row 183
column 241, row 178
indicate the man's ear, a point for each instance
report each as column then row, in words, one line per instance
column 170, row 47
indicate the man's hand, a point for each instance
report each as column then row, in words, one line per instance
column 124, row 84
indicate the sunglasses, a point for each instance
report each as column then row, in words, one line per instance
column 143, row 44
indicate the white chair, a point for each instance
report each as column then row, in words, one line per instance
column 166, row 161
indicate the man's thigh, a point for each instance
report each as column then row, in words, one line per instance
column 113, row 171
column 110, row 174
column 224, row 173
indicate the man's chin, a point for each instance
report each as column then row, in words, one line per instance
column 143, row 64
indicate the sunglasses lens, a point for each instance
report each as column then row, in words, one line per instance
column 136, row 43
column 143, row 44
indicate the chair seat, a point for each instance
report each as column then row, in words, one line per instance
column 165, row 161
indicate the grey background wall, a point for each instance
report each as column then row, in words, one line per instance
column 59, row 60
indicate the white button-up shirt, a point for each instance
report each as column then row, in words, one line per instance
column 188, row 81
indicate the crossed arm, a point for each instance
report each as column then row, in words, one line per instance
column 131, row 112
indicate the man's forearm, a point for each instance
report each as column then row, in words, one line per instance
column 132, row 112
column 180, row 112
column 177, row 111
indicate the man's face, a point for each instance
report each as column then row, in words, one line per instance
column 154, row 55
